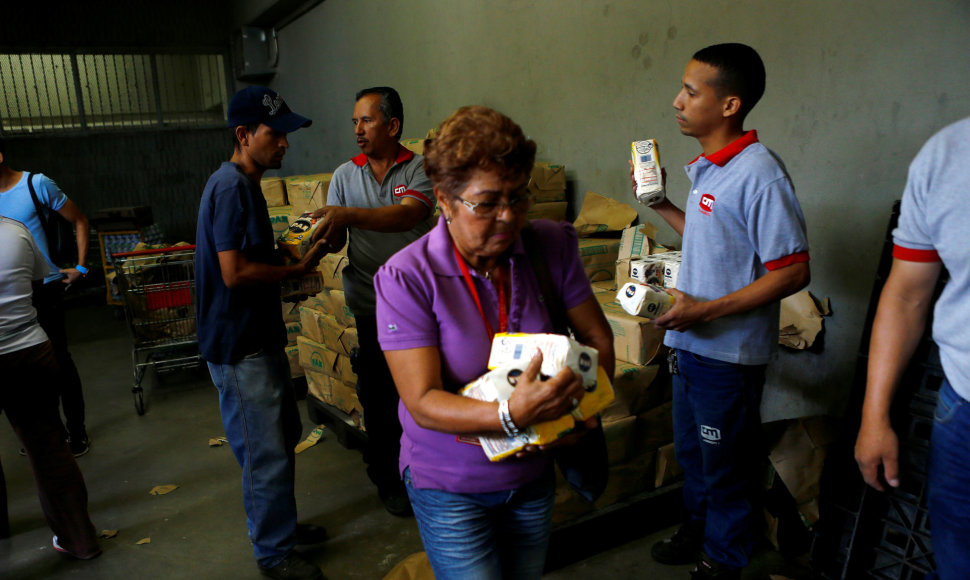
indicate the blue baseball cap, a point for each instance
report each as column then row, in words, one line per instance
column 257, row 104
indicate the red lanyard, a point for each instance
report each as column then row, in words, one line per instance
column 503, row 317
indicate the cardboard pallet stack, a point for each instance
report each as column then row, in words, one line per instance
column 320, row 330
column 639, row 424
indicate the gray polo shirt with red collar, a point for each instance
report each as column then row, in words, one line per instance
column 742, row 220
column 353, row 185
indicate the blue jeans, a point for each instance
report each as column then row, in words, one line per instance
column 262, row 424
column 717, row 427
column 485, row 536
column 949, row 482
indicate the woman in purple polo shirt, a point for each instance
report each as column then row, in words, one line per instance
column 439, row 302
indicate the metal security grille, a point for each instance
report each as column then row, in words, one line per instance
column 109, row 92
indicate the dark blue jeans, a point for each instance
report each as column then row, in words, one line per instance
column 262, row 423
column 949, row 492
column 717, row 427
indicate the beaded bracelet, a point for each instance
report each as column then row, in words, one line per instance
column 505, row 418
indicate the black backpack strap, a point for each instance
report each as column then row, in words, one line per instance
column 40, row 209
column 554, row 305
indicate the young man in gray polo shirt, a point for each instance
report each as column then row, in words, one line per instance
column 745, row 248
column 384, row 200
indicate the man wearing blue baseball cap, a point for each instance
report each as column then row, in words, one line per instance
column 240, row 328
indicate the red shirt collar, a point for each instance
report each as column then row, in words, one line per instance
column 730, row 151
column 403, row 154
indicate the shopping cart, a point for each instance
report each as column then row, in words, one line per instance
column 158, row 290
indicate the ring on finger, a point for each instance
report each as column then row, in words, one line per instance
column 574, row 402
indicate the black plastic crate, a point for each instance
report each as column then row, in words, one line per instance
column 863, row 533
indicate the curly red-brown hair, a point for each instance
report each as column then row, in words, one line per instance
column 477, row 138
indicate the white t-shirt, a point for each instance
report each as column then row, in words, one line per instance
column 21, row 262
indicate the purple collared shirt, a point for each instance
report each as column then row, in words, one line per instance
column 422, row 300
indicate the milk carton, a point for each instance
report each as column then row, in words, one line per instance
column 648, row 270
column 558, row 351
column 644, row 300
column 497, row 385
column 671, row 271
column 646, row 171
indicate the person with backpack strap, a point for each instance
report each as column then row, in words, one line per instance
column 37, row 202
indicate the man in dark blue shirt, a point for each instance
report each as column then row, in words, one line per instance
column 241, row 332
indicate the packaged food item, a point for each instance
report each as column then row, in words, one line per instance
column 497, row 385
column 646, row 171
column 645, row 300
column 671, row 272
column 298, row 237
column 558, row 351
column 307, row 285
column 648, row 270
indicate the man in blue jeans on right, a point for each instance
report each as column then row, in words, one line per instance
column 931, row 235
column 745, row 248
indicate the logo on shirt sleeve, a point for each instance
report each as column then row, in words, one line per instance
column 707, row 204
column 399, row 190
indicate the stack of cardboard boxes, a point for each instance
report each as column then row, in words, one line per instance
column 639, row 424
column 320, row 330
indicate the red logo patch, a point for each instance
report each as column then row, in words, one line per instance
column 707, row 204
column 399, row 190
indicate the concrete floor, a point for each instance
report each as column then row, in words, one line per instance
column 199, row 530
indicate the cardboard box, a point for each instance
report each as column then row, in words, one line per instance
column 279, row 218
column 550, row 210
column 318, row 385
column 627, row 479
column 333, row 303
column 635, row 340
column 604, row 286
column 620, row 438
column 323, row 328
column 655, row 428
column 344, row 397
column 332, row 269
column 600, row 214
column 293, row 330
column 307, row 285
column 291, row 311
column 668, row 469
column 415, row 145
column 308, row 192
column 293, row 356
column 274, row 190
column 548, row 182
column 599, row 257
column 315, row 356
column 622, row 274
column 635, row 390
column 337, row 306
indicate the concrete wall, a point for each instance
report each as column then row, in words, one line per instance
column 854, row 88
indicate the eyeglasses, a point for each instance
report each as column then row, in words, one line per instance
column 518, row 205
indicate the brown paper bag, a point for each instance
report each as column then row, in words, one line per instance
column 603, row 214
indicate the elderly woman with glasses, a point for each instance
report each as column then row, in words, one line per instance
column 439, row 303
